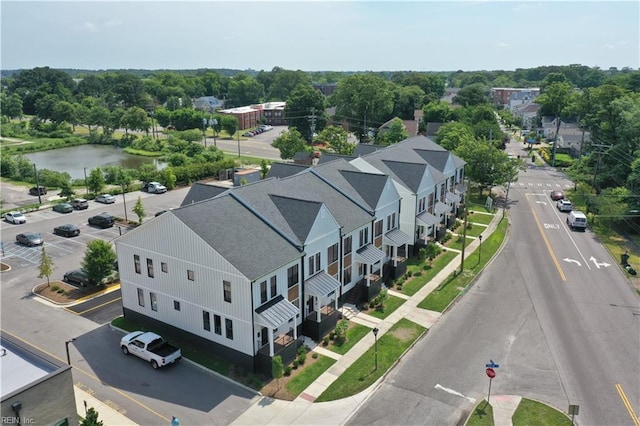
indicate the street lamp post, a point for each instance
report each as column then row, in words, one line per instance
column 204, row 131
column 480, row 249
column 375, row 336
column 35, row 172
column 238, row 142
column 66, row 346
column 124, row 199
column 86, row 186
column 213, row 123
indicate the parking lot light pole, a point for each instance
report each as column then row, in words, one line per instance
column 480, row 249
column 86, row 186
column 66, row 346
column 124, row 199
column 35, row 172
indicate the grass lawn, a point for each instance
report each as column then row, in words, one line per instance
column 308, row 375
column 412, row 286
column 390, row 306
column 483, row 218
column 473, row 230
column 532, row 413
column 355, row 332
column 362, row 373
column 441, row 297
column 482, row 415
column 456, row 242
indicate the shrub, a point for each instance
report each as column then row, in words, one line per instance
column 418, row 274
column 325, row 341
column 460, row 238
column 302, row 354
column 332, row 335
column 364, row 307
column 341, row 330
column 55, row 288
column 433, row 250
column 314, row 355
column 372, row 304
column 446, row 237
column 295, row 364
column 287, row 370
column 60, row 291
column 469, row 225
column 427, row 266
column 400, row 287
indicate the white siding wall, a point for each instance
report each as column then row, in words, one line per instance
column 408, row 205
column 172, row 245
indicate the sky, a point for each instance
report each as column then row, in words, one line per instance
column 319, row 35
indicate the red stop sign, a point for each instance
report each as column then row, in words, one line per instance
column 491, row 373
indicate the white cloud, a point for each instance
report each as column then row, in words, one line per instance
column 113, row 23
column 504, row 45
column 88, row 27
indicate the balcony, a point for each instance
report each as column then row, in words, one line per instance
column 391, row 271
column 375, row 285
column 329, row 317
column 284, row 345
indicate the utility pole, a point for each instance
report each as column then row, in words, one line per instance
column 464, row 232
column 365, row 133
column 312, row 123
column 600, row 152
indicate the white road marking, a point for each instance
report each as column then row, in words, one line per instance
column 566, row 259
column 598, row 264
column 452, row 392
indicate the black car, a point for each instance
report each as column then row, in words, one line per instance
column 68, row 230
column 30, row 239
column 77, row 276
column 103, row 220
column 38, row 190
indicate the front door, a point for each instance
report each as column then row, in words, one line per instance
column 264, row 336
column 310, row 305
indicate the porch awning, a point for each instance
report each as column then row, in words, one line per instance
column 321, row 285
column 442, row 208
column 370, row 254
column 428, row 219
column 396, row 238
column 276, row 312
column 461, row 188
column 454, row 198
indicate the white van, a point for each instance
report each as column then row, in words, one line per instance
column 577, row 220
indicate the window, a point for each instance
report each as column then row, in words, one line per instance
column 150, row 268
column 314, row 264
column 332, row 253
column 430, row 205
column 442, row 191
column 362, row 269
column 176, row 305
column 228, row 324
column 292, row 276
column 217, row 324
column 377, row 228
column 274, row 286
column 206, row 320
column 227, row 291
column 364, row 236
column 346, row 276
column 393, row 220
column 389, row 251
column 389, row 225
column 347, row 245
column 141, row 297
column 136, row 264
column 164, row 267
column 190, row 275
column 422, row 204
column 154, row 302
column 263, row 291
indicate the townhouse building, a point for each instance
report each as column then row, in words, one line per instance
column 246, row 271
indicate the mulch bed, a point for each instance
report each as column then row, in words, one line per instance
column 61, row 292
column 271, row 388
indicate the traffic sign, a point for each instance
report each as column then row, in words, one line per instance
column 491, row 373
column 492, row 364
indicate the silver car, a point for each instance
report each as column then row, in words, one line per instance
column 106, row 199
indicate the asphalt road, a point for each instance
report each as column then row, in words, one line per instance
column 553, row 310
column 256, row 146
column 127, row 384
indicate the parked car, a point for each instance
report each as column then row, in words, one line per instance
column 15, row 217
column 247, row 134
column 150, row 347
column 77, row 276
column 38, row 190
column 106, row 199
column 103, row 220
column 63, row 208
column 67, row 230
column 79, row 204
column 557, row 195
column 30, row 239
column 564, row 205
column 154, row 188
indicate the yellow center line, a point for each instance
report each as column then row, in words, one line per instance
column 627, row 404
column 95, row 307
column 91, row 376
column 546, row 241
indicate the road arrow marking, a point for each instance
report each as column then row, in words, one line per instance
column 542, row 202
column 452, row 392
column 598, row 264
column 566, row 259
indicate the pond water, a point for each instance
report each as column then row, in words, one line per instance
column 73, row 160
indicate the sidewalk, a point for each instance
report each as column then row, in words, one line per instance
column 268, row 411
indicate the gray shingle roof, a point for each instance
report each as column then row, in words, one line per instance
column 328, row 157
column 364, row 149
column 408, row 173
column 239, row 235
column 437, row 159
column 202, row 191
column 280, row 170
column 299, row 214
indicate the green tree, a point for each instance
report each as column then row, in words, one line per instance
column 66, row 191
column 364, row 100
column 407, row 100
column 289, row 143
column 277, row 368
column 138, row 209
column 305, row 107
column 436, row 112
column 337, row 139
column 451, row 135
column 98, row 261
column 11, row 105
column 45, row 268
column 45, row 106
column 484, row 162
column 473, row 94
column 264, row 168
column 394, row 134
column 91, row 419
column 555, row 100
column 244, row 90
column 95, row 181
column 135, row 118
column 64, row 111
column 285, row 82
column 229, row 124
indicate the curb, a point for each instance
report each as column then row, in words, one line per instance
column 77, row 301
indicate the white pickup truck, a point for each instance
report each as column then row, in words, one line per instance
column 150, row 347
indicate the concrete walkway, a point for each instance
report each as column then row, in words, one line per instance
column 303, row 410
